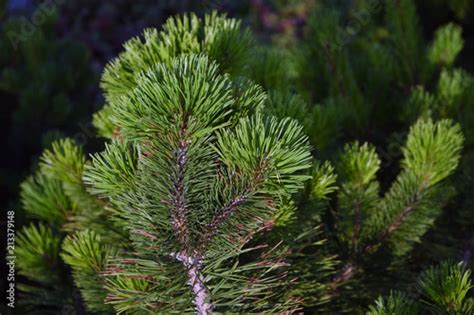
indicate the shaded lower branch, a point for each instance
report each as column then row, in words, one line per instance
column 349, row 270
column 346, row 273
column 399, row 220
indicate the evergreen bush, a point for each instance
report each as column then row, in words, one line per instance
column 240, row 177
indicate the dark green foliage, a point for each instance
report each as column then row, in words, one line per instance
column 445, row 287
column 87, row 270
column 442, row 289
column 225, row 177
column 395, row 303
column 38, row 252
column 49, row 290
column 220, row 38
column 209, row 196
column 366, row 73
column 228, row 169
column 57, row 196
column 446, row 45
column 47, row 92
column 45, row 199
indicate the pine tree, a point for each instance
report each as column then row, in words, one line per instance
column 209, row 196
column 188, row 184
column 192, row 183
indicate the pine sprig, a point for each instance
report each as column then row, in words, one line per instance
column 442, row 289
column 432, row 152
column 221, row 38
column 395, row 303
column 194, row 181
column 446, row 285
column 88, row 257
column 358, row 193
column 37, row 252
column 446, row 45
column 44, row 198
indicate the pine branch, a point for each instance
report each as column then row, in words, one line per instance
column 398, row 221
column 178, row 202
column 430, row 155
column 190, row 190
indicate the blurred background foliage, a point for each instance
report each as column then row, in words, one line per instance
column 52, row 54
